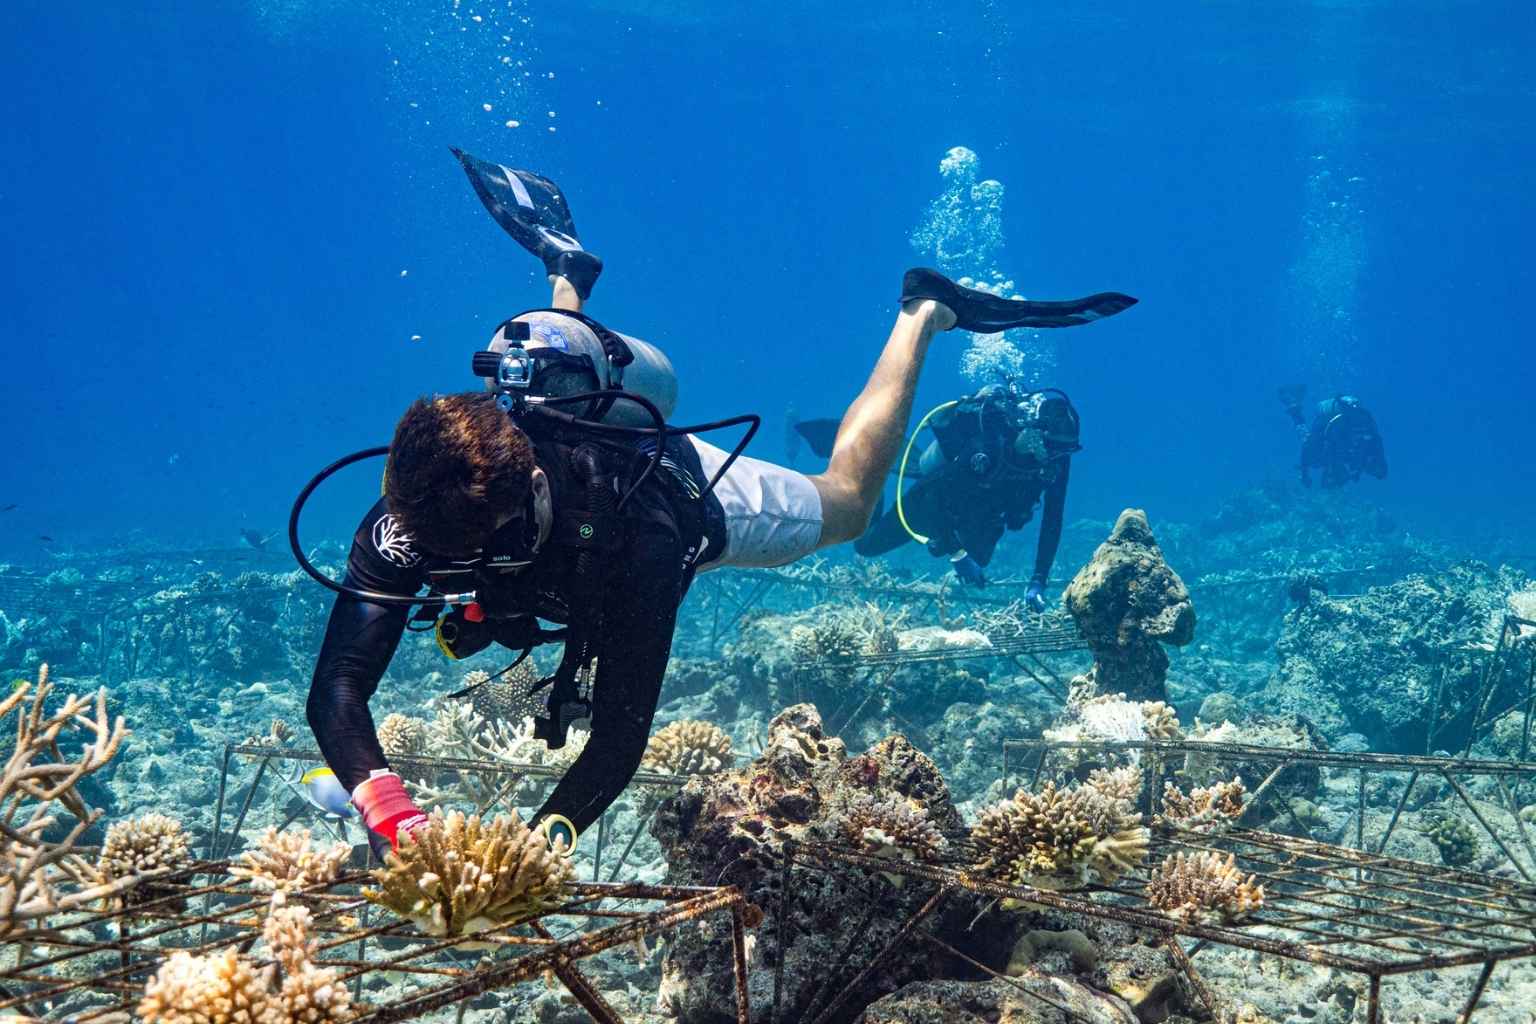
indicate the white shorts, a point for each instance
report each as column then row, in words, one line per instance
column 772, row 514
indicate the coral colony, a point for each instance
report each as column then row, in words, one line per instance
column 1312, row 802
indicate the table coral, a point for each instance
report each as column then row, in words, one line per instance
column 461, row 875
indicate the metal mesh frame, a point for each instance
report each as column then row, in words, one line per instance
column 1033, row 756
column 100, row 976
column 222, row 844
column 1355, row 911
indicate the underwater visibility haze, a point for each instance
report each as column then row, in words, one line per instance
column 1222, row 437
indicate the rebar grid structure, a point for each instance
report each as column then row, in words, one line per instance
column 1162, row 759
column 93, row 966
column 1027, row 637
column 1358, row 912
column 222, row 844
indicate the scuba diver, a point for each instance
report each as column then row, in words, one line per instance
column 561, row 495
column 1342, row 440
column 995, row 456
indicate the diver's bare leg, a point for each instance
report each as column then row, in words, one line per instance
column 565, row 296
column 875, row 425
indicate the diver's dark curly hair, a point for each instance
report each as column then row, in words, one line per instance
column 457, row 464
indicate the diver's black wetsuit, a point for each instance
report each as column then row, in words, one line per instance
column 961, row 509
column 662, row 525
column 1341, row 443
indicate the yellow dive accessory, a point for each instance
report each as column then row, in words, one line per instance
column 559, row 833
column 902, row 472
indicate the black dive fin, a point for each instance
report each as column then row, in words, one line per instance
column 531, row 209
column 819, row 435
column 986, row 313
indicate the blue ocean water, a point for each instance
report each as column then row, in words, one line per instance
column 236, row 243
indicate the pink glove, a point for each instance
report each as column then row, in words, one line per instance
column 386, row 808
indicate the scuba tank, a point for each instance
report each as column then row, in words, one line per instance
column 570, row 354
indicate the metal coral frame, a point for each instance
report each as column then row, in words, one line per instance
column 1033, row 755
column 1358, row 912
column 97, row 962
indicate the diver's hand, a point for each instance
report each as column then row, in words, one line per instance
column 1034, row 596
column 386, row 808
column 969, row 571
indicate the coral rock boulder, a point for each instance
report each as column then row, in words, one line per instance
column 733, row 828
column 1128, row 602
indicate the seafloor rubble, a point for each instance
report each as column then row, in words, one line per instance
column 1322, row 626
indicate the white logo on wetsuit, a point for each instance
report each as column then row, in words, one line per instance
column 394, row 543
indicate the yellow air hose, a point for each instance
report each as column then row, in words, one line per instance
column 902, row 472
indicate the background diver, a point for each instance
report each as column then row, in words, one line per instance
column 546, row 516
column 994, row 457
column 1341, row 441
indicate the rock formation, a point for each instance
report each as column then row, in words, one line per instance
column 732, row 828
column 1127, row 603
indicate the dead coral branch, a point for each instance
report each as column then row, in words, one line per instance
column 41, row 876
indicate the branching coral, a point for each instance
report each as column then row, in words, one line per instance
column 1112, row 718
column 142, row 846
column 285, row 862
column 402, row 734
column 1454, row 840
column 890, row 826
column 220, row 988
column 225, row 988
column 1209, row 808
column 689, row 747
column 506, row 698
column 459, row 731
column 462, row 875
column 277, row 734
column 37, row 865
column 1203, row 887
column 848, row 632
column 1061, row 838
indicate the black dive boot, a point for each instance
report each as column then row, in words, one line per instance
column 985, row 313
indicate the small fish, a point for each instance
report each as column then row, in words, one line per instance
column 175, row 458
column 45, row 538
column 323, row 790
column 9, row 507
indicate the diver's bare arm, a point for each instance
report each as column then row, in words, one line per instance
column 875, row 424
column 565, row 296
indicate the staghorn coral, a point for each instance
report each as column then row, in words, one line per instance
column 1209, row 808
column 689, row 747
column 890, row 826
column 402, row 734
column 1202, row 887
column 461, row 875
column 225, row 988
column 142, row 846
column 40, row 872
column 1060, row 838
column 284, row 862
